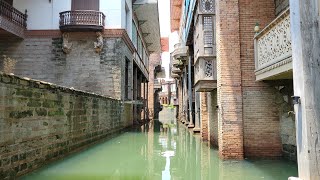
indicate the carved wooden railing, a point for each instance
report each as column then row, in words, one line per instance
column 13, row 15
column 273, row 43
column 82, row 18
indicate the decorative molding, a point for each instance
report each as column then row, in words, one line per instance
column 208, row 69
column 66, row 46
column 274, row 66
column 99, row 44
column 273, row 44
column 207, row 6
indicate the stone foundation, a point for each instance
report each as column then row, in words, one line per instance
column 42, row 122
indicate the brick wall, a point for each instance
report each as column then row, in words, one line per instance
column 42, row 122
column 204, row 116
column 42, row 58
column 260, row 113
column 229, row 79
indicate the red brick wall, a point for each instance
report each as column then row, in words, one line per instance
column 204, row 116
column 260, row 114
column 229, row 80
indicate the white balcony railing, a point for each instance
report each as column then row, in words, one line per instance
column 273, row 47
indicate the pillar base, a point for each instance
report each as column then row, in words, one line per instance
column 294, row 178
column 196, row 130
column 191, row 126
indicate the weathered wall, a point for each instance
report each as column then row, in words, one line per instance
column 260, row 113
column 42, row 58
column 42, row 122
column 248, row 116
column 281, row 5
column 287, row 120
column 213, row 117
column 229, row 79
column 204, row 116
column 154, row 60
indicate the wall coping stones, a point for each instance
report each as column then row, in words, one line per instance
column 25, row 81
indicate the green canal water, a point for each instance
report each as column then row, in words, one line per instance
column 152, row 152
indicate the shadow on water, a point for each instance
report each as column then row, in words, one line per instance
column 160, row 149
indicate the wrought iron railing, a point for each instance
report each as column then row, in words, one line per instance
column 13, row 15
column 82, row 18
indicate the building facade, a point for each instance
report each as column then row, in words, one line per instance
column 95, row 46
column 252, row 64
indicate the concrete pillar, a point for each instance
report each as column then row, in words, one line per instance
column 191, row 125
column 229, row 79
column 135, row 84
column 185, row 99
column 306, row 75
column 204, row 116
column 180, row 100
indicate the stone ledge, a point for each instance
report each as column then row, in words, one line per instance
column 24, row 81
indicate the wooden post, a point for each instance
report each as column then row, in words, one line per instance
column 306, row 76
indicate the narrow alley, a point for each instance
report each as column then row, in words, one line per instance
column 159, row 89
column 163, row 150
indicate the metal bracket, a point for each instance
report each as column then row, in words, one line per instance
column 296, row 100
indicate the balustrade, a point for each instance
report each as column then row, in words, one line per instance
column 12, row 20
column 273, row 48
column 84, row 19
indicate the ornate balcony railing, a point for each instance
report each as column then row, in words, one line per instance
column 180, row 52
column 12, row 20
column 84, row 20
column 273, row 49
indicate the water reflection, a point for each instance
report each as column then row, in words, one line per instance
column 160, row 150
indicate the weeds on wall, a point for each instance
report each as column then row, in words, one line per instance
column 8, row 64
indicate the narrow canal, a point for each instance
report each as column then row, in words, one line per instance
column 160, row 150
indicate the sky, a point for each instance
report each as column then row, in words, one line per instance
column 164, row 18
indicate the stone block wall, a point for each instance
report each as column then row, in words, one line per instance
column 42, row 122
column 287, row 120
column 42, row 58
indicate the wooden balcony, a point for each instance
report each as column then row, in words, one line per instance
column 12, row 20
column 273, row 51
column 84, row 20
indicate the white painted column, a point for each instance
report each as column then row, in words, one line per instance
column 306, row 75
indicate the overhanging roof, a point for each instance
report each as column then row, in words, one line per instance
column 148, row 16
